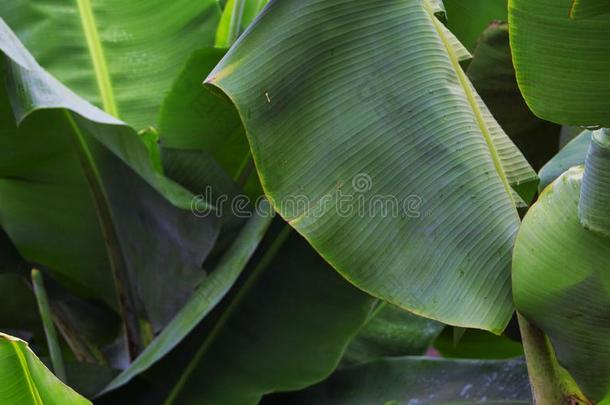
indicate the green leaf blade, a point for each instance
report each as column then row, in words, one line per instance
column 560, row 283
column 563, row 65
column 316, row 129
column 27, row 381
column 121, row 56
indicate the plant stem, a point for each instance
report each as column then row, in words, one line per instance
column 250, row 282
column 49, row 327
column 551, row 385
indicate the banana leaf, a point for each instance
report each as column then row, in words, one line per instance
column 26, row 380
column 120, row 55
column 493, row 75
column 305, row 316
column 589, row 8
column 63, row 198
column 421, row 381
column 561, row 283
column 573, row 154
column 391, row 332
column 367, row 118
column 562, row 64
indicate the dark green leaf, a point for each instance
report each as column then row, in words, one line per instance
column 286, row 329
column 478, row 344
column 204, row 299
column 65, row 185
column 421, row 381
column 468, row 18
column 392, row 332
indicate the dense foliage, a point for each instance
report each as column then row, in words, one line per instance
column 304, row 201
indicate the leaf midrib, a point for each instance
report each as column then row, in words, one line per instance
column 473, row 104
column 28, row 377
column 98, row 59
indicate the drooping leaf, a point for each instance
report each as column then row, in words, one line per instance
column 366, row 119
column 26, row 380
column 285, row 330
column 562, row 285
column 202, row 302
column 120, row 55
column 421, row 381
column 64, row 185
column 392, row 332
column 467, row 19
column 589, row 8
column 573, row 154
column 563, row 65
column 493, row 75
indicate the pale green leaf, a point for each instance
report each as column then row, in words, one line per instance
column 562, row 285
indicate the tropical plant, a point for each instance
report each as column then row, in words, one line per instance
column 304, row 201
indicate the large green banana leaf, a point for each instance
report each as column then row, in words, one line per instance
column 562, row 285
column 563, row 65
column 26, row 381
column 421, row 381
column 285, row 329
column 63, row 197
column 349, row 104
column 391, row 332
column 573, row 154
column 121, row 55
column 493, row 75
